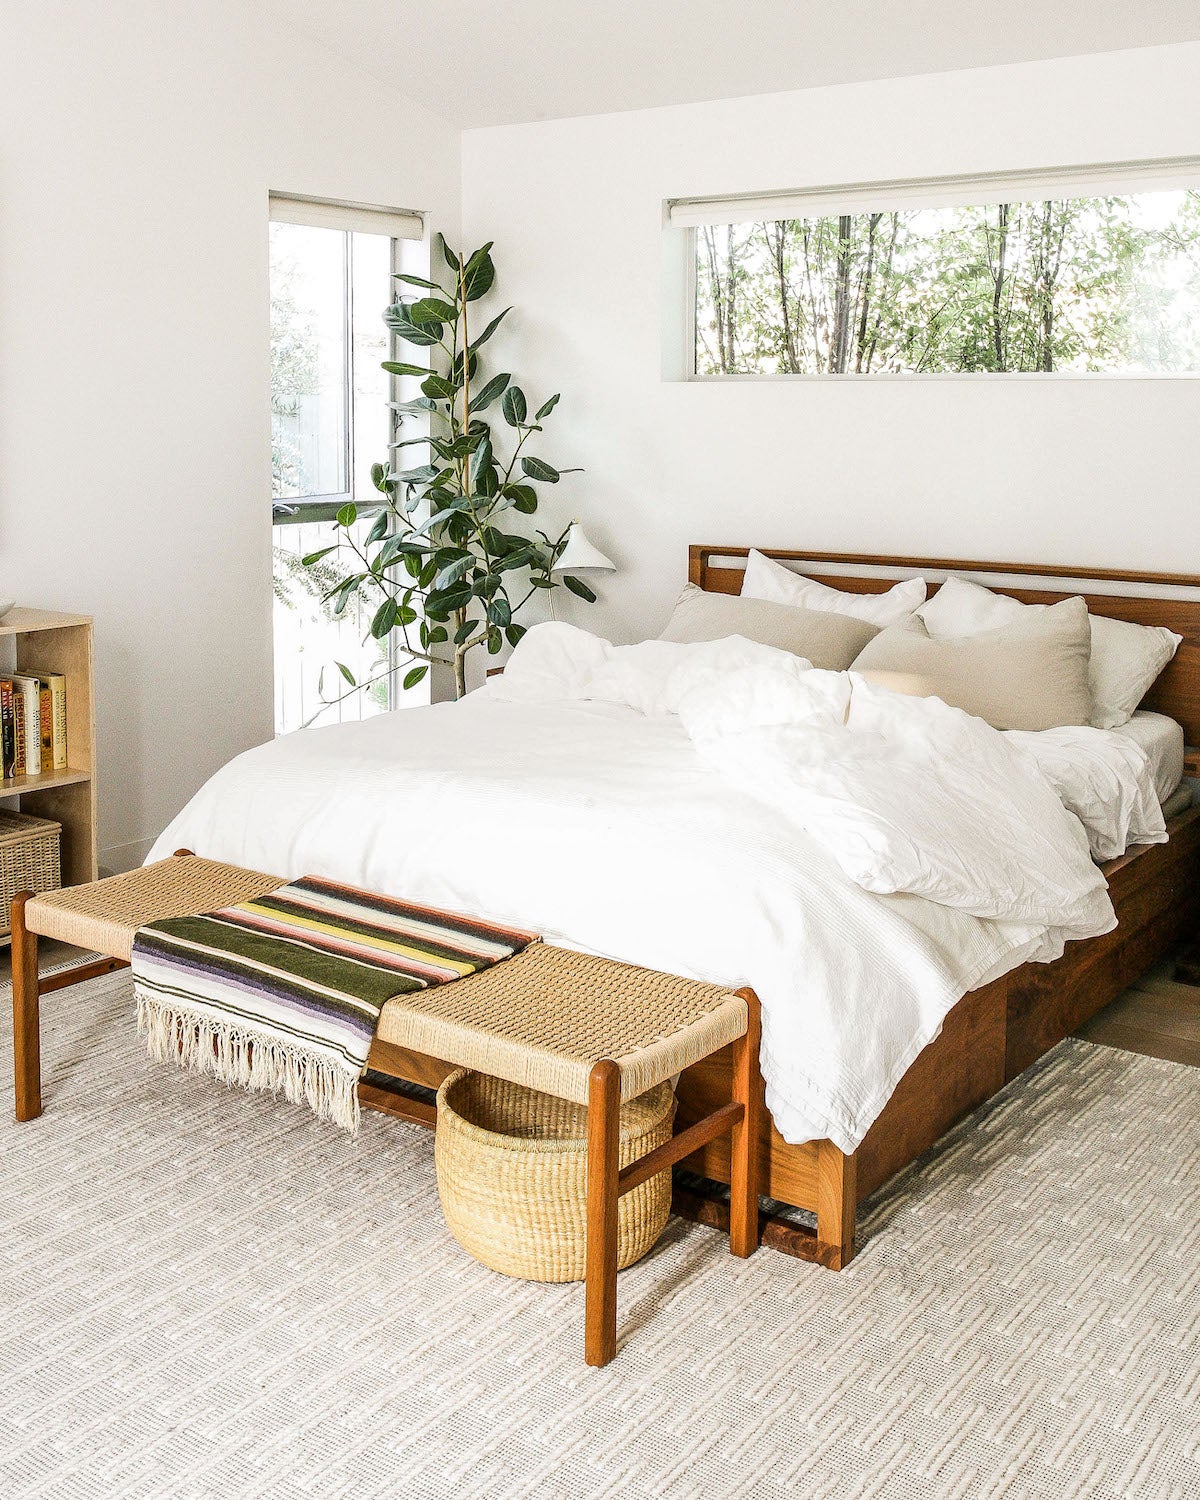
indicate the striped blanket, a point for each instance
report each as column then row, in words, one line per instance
column 283, row 993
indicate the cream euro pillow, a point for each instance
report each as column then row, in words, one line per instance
column 1032, row 674
column 767, row 579
column 827, row 640
column 1126, row 658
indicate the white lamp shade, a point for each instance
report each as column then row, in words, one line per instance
column 581, row 555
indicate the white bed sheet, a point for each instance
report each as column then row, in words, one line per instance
column 1163, row 741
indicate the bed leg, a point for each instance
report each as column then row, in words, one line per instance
column 837, row 1182
column 603, row 1141
column 27, row 1049
column 744, row 1142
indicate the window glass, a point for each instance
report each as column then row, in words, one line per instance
column 1081, row 285
column 309, row 361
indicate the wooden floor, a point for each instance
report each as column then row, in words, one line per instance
column 1156, row 1016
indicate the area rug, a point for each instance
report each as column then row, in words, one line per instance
column 189, row 1309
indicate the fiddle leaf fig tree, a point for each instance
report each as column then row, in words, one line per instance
column 438, row 563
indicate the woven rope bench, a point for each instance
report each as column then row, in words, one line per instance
column 567, row 1024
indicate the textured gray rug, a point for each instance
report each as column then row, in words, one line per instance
column 190, row 1308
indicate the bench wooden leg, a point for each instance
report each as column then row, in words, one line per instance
column 743, row 1145
column 604, row 1133
column 27, row 1049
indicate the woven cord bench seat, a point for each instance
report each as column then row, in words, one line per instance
column 104, row 915
column 545, row 1017
column 581, row 1028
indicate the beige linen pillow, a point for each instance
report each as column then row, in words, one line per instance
column 827, row 640
column 1032, row 674
column 1126, row 658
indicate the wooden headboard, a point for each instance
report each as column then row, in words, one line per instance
column 1177, row 691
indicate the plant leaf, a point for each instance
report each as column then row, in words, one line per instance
column 577, row 586
column 546, row 408
column 488, row 393
column 397, row 319
column 514, row 406
column 514, row 633
column 478, row 274
column 385, row 618
column 347, row 514
column 346, row 673
column 397, row 367
column 451, row 259
column 432, row 310
column 452, row 572
column 437, row 387
column 410, row 280
column 414, row 676
column 312, row 558
column 537, row 468
column 490, row 329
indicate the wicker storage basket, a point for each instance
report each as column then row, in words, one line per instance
column 512, row 1175
column 29, row 859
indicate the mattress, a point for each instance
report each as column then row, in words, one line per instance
column 1162, row 740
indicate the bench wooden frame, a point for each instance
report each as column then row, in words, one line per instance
column 734, row 1120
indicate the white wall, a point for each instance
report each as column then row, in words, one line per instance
column 139, row 139
column 1091, row 472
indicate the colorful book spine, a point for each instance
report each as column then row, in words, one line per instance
column 8, row 741
column 28, row 690
column 18, row 730
column 58, row 710
column 46, row 726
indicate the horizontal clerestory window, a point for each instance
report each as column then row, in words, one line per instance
column 1095, row 272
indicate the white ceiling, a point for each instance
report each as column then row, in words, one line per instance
column 491, row 62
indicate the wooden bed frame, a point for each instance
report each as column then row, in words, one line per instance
column 993, row 1033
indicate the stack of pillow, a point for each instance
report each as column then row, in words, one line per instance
column 1019, row 666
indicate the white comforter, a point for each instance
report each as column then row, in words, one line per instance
column 681, row 810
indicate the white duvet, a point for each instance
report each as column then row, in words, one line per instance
column 717, row 811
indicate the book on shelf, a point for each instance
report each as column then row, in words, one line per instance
column 58, row 713
column 8, row 733
column 33, row 723
column 27, row 693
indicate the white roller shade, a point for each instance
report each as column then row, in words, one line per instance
column 322, row 213
column 940, row 192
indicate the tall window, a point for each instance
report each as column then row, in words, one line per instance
column 331, row 279
column 1097, row 284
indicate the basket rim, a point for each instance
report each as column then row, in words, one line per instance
column 526, row 1144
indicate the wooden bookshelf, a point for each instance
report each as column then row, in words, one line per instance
column 40, row 642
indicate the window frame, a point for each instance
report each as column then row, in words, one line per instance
column 401, row 226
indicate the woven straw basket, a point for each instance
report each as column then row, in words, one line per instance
column 512, row 1175
column 29, row 859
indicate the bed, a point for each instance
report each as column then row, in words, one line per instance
column 489, row 806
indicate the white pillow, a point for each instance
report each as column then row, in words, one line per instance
column 1126, row 658
column 767, row 579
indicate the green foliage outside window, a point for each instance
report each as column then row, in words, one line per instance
column 1106, row 284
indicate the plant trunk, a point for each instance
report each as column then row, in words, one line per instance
column 460, row 673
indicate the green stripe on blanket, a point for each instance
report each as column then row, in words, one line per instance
column 283, row 993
